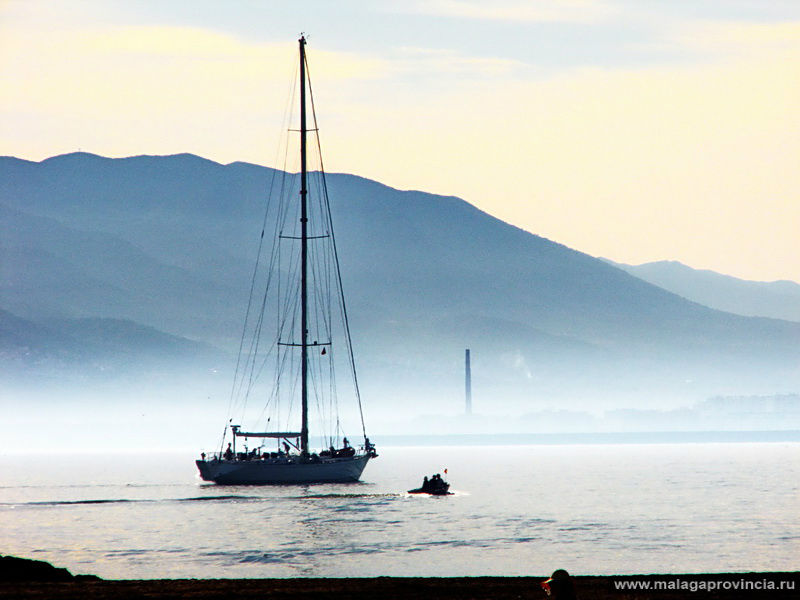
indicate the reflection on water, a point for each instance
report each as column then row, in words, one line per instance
column 516, row 510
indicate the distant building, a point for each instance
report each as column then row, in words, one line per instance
column 756, row 405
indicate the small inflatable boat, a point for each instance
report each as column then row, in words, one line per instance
column 435, row 486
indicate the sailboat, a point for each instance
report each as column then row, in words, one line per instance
column 304, row 284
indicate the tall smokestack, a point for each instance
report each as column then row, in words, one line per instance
column 468, row 383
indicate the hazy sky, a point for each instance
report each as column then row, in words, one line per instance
column 635, row 130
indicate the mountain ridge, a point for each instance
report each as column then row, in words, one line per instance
column 425, row 274
column 779, row 299
column 77, row 350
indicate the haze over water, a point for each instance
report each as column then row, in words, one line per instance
column 517, row 510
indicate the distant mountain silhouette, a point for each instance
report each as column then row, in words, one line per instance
column 70, row 350
column 774, row 299
column 169, row 242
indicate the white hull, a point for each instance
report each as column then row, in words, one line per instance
column 238, row 472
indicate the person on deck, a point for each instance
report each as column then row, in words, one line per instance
column 228, row 452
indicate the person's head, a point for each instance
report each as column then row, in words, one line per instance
column 559, row 586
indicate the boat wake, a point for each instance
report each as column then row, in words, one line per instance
column 218, row 498
column 333, row 496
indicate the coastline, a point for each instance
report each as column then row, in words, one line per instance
column 592, row 438
column 721, row 586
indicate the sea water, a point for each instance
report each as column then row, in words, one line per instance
column 516, row 510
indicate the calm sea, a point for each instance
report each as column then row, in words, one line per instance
column 517, row 510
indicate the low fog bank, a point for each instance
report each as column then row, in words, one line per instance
column 189, row 414
column 110, row 420
column 718, row 414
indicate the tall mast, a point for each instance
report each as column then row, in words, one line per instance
column 303, row 251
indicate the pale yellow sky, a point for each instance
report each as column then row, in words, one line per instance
column 692, row 158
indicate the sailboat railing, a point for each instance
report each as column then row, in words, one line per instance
column 267, row 434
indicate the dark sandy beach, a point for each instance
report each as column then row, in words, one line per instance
column 411, row 588
column 26, row 578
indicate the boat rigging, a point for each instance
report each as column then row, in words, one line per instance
column 305, row 290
